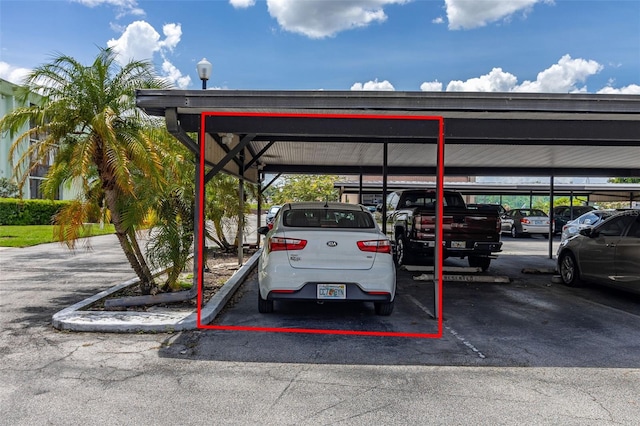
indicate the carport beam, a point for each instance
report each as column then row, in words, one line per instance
column 551, row 218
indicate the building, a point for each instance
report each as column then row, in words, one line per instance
column 32, row 188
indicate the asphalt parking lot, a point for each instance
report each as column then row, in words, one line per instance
column 529, row 321
column 528, row 351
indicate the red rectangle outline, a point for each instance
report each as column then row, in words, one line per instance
column 439, row 212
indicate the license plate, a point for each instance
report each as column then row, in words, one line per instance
column 332, row 291
column 537, row 222
column 458, row 244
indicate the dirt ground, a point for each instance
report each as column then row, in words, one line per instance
column 220, row 267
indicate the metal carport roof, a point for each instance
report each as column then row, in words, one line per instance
column 512, row 134
column 509, row 134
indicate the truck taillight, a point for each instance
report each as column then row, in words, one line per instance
column 376, row 246
column 279, row 244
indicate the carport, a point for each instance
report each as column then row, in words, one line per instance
column 251, row 133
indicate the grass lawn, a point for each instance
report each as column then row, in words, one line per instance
column 31, row 235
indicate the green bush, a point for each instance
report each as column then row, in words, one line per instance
column 14, row 211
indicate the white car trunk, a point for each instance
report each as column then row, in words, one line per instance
column 331, row 249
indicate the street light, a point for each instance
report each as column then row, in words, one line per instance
column 204, row 68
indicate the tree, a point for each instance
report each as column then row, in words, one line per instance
column 171, row 209
column 306, row 188
column 89, row 120
column 8, row 188
column 222, row 207
column 625, row 180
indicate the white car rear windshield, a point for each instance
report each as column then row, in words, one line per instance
column 328, row 218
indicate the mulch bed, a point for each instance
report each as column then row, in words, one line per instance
column 221, row 266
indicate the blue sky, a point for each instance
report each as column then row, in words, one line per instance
column 556, row 46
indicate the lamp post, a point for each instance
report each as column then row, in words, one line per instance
column 204, row 68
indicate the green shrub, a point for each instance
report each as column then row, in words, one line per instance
column 14, row 211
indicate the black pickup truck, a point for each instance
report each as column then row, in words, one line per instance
column 473, row 233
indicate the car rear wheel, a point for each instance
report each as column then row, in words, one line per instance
column 569, row 270
column 479, row 262
column 383, row 308
column 514, row 232
column 264, row 306
column 546, row 236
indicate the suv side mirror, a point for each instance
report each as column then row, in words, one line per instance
column 263, row 230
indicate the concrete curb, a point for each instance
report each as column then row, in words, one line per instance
column 158, row 320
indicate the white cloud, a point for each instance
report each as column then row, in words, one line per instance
column 496, row 81
column 432, row 86
column 468, row 14
column 242, row 4
column 174, row 76
column 322, row 18
column 566, row 76
column 173, row 32
column 374, row 85
column 632, row 89
column 438, row 20
column 124, row 7
column 13, row 74
column 140, row 41
column 562, row 77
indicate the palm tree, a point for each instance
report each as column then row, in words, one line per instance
column 89, row 120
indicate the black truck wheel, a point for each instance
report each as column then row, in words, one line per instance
column 479, row 262
column 401, row 255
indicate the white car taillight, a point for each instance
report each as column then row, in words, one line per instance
column 278, row 244
column 376, row 246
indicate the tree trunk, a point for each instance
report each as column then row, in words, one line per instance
column 128, row 242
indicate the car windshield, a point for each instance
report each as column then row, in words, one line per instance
column 328, row 218
column 592, row 218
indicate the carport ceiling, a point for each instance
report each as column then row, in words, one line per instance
column 512, row 134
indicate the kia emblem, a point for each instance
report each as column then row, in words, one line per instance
column 332, row 243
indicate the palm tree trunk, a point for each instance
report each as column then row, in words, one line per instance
column 129, row 244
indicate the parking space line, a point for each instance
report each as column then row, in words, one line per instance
column 449, row 329
column 420, row 305
column 465, row 342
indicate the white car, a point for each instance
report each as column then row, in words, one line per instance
column 326, row 252
column 587, row 220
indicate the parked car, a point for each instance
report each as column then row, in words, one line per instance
column 326, row 252
column 607, row 254
column 520, row 222
column 587, row 220
column 563, row 214
column 271, row 214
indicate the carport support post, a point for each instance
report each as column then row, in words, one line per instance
column 385, row 159
column 241, row 210
column 198, row 230
column 551, row 219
